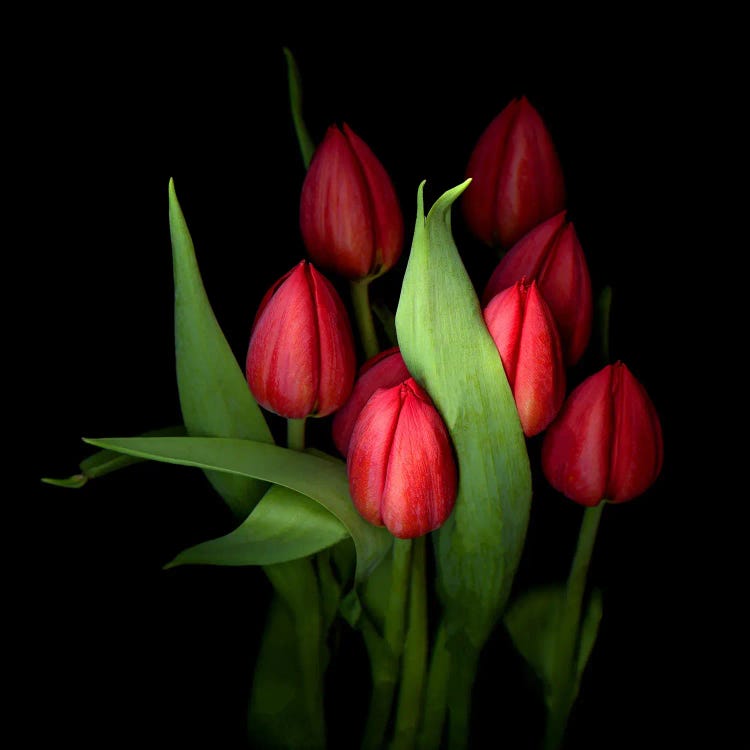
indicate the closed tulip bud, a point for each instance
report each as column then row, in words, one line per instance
column 517, row 180
column 350, row 218
column 402, row 474
column 384, row 370
column 551, row 255
column 606, row 443
column 525, row 333
column 301, row 359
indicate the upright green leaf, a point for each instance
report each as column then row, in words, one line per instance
column 322, row 479
column 214, row 396
column 447, row 348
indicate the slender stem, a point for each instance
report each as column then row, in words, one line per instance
column 463, row 672
column 386, row 674
column 360, row 291
column 414, row 657
column 563, row 696
column 295, row 434
column 436, row 695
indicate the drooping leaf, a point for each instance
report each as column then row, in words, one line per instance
column 105, row 462
column 321, row 479
column 214, row 395
column 448, row 349
column 283, row 526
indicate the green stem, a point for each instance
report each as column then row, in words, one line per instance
column 563, row 697
column 460, row 685
column 363, row 314
column 386, row 675
column 295, row 434
column 414, row 657
column 436, row 695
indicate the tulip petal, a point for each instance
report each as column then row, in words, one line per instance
column 283, row 356
column 388, row 224
column 335, row 216
column 637, row 447
column 576, row 447
column 336, row 360
column 384, row 370
column 420, row 487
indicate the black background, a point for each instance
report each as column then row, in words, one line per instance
column 111, row 648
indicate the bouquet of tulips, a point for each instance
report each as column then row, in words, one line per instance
column 409, row 534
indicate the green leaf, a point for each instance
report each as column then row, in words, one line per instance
column 533, row 623
column 321, row 479
column 448, row 350
column 214, row 395
column 283, row 526
column 105, row 462
column 306, row 145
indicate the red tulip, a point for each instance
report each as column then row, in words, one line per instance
column 301, row 359
column 526, row 336
column 349, row 214
column 552, row 255
column 402, row 474
column 606, row 443
column 384, row 370
column 517, row 180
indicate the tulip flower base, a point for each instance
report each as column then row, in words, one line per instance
column 405, row 529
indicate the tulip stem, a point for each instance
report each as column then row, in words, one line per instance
column 565, row 682
column 414, row 657
column 363, row 313
column 435, row 704
column 295, row 434
column 384, row 685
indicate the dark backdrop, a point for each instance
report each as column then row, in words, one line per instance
column 114, row 649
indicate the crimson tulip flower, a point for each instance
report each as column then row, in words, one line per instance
column 606, row 443
column 552, row 255
column 525, row 333
column 301, row 357
column 381, row 371
column 402, row 474
column 517, row 180
column 350, row 218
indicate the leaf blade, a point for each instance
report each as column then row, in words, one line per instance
column 321, row 479
column 214, row 396
column 447, row 348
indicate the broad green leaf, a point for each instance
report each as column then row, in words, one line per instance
column 448, row 350
column 306, row 145
column 533, row 622
column 283, row 526
column 214, row 395
column 105, row 462
column 321, row 479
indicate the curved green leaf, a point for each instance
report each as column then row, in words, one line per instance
column 321, row 479
column 283, row 526
column 447, row 348
column 214, row 396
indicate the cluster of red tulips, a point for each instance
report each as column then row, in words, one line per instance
column 432, row 425
column 603, row 442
